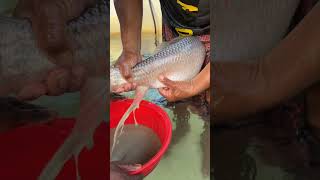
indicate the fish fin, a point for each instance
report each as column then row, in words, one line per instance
column 92, row 113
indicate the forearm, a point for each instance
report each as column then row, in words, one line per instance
column 245, row 88
column 130, row 17
column 75, row 8
column 202, row 80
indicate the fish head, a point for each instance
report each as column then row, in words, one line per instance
column 116, row 79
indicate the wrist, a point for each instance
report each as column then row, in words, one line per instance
column 201, row 82
column 131, row 45
column 131, row 39
column 131, row 51
column 194, row 89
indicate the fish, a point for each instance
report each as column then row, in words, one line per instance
column 179, row 60
column 137, row 145
column 21, row 61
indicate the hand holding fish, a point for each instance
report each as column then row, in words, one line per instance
column 178, row 90
column 49, row 20
column 130, row 25
column 126, row 61
column 57, row 82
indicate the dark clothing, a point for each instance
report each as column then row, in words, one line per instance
column 187, row 17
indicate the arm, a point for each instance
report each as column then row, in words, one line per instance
column 202, row 80
column 289, row 68
column 130, row 17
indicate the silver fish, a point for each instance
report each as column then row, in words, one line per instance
column 21, row 59
column 180, row 60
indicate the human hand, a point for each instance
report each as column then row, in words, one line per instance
column 125, row 63
column 56, row 82
column 177, row 90
column 49, row 20
column 48, row 23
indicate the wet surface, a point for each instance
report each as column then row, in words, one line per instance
column 188, row 156
column 263, row 151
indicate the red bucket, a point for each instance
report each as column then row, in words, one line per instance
column 149, row 115
column 25, row 151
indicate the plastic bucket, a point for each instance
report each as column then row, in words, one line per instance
column 149, row 115
column 25, row 151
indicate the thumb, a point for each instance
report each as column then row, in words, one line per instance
column 125, row 70
column 163, row 92
column 167, row 82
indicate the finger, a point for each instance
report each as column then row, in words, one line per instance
column 32, row 91
column 119, row 90
column 78, row 78
column 57, row 82
column 164, row 92
column 167, row 82
column 128, row 87
column 125, row 70
column 134, row 86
